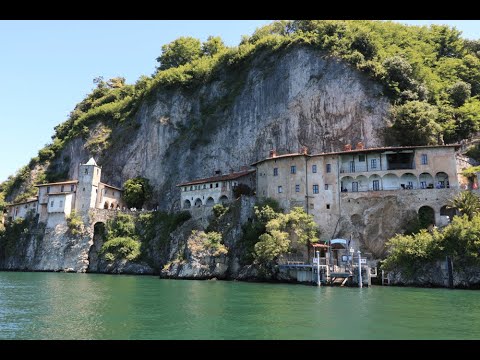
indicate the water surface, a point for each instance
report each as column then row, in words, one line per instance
column 93, row 306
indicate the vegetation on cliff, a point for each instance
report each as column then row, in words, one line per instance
column 431, row 75
column 136, row 238
column 460, row 240
column 136, row 192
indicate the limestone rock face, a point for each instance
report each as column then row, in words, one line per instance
column 285, row 100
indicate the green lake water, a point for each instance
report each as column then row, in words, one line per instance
column 92, row 306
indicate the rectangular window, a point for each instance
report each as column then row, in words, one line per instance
column 51, row 203
column 315, row 189
column 204, row 186
column 275, row 171
column 314, row 169
column 326, row 186
column 211, row 186
column 293, row 169
column 355, row 186
column 297, row 188
column 312, row 206
column 61, row 203
column 216, row 185
column 86, row 171
column 62, row 189
column 376, row 185
column 280, row 190
column 72, row 187
column 424, row 159
column 329, row 168
column 352, row 166
column 48, row 189
column 328, row 206
column 361, row 158
column 373, row 164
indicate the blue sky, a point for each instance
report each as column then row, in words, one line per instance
column 48, row 66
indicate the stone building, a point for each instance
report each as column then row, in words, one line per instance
column 329, row 185
column 218, row 189
column 21, row 209
column 56, row 201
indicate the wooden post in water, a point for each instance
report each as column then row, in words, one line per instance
column 318, row 268
column 360, row 281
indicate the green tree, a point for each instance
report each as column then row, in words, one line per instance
column 467, row 203
column 467, row 121
column 398, row 73
column 137, row 191
column 179, row 52
column 459, row 93
column 411, row 252
column 447, row 40
column 213, row 45
column 365, row 44
column 414, row 123
column 283, row 230
column 461, row 239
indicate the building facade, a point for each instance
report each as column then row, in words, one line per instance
column 328, row 185
column 22, row 209
column 218, row 189
column 57, row 200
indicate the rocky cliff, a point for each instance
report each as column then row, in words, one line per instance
column 283, row 100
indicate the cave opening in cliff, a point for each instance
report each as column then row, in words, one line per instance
column 99, row 234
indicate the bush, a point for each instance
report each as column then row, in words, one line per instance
column 136, row 192
column 75, row 224
column 202, row 244
column 219, row 210
column 120, row 248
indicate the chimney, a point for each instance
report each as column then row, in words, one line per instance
column 347, row 147
column 360, row 146
column 304, row 150
column 273, row 153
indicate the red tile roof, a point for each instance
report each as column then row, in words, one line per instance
column 224, row 177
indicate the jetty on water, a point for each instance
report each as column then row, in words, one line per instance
column 332, row 264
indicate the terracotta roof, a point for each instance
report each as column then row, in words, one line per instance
column 356, row 151
column 113, row 187
column 58, row 183
column 224, row 177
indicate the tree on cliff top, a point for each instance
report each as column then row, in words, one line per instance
column 179, row 52
column 137, row 191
